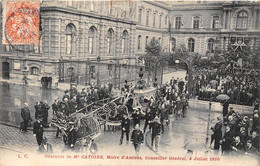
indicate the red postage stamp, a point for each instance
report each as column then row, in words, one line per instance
column 21, row 22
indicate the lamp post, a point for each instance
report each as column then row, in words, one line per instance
column 98, row 60
column 208, row 125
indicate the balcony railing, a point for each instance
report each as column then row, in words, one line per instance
column 195, row 29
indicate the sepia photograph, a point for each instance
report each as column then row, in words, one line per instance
column 129, row 82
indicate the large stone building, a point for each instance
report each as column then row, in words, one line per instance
column 86, row 37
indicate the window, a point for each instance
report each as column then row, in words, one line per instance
column 215, row 23
column 242, row 19
column 139, row 42
column 70, row 33
column 110, row 68
column 140, row 16
column 35, row 70
column 147, row 18
column 124, row 41
column 110, row 34
column 196, row 22
column 166, row 20
column 92, row 72
column 146, row 40
column 91, row 5
column 173, row 44
column 177, row 22
column 110, row 7
column 191, row 44
column 160, row 21
column 38, row 47
column 91, row 39
column 8, row 48
column 154, row 18
column 211, row 45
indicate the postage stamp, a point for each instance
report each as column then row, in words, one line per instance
column 21, row 22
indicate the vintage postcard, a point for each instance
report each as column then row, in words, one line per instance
column 129, row 82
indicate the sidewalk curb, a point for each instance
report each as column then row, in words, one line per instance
column 29, row 128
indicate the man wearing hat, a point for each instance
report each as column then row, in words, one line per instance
column 38, row 130
column 45, row 147
column 66, row 95
column 125, row 124
column 156, row 129
column 25, row 113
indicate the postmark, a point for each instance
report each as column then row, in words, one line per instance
column 21, row 22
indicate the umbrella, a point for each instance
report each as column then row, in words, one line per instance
column 223, row 97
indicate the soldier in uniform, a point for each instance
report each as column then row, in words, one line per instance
column 125, row 124
column 38, row 130
column 137, row 138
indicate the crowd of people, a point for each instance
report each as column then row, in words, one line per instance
column 240, row 84
column 240, row 137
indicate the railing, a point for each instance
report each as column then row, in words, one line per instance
column 195, row 29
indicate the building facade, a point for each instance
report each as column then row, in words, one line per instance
column 100, row 41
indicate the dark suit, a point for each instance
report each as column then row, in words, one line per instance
column 137, row 138
column 45, row 109
column 38, row 130
column 25, row 113
column 125, row 124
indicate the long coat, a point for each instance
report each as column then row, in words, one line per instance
column 25, row 113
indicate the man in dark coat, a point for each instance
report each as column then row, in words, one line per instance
column 225, row 109
column 217, row 133
column 148, row 119
column 55, row 107
column 38, row 130
column 156, row 129
column 73, row 105
column 137, row 138
column 45, row 108
column 237, row 146
column 25, row 113
column 251, row 149
column 227, row 141
column 136, row 117
column 45, row 147
column 125, row 124
column 38, row 110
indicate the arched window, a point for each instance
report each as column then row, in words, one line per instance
column 147, row 18
column 146, row 40
column 140, row 16
column 154, row 18
column 91, row 40
column 166, row 20
column 242, row 20
column 70, row 35
column 160, row 21
column 191, row 44
column 124, row 41
column 70, row 71
column 173, row 44
column 211, row 45
column 35, row 70
column 139, row 42
column 110, row 34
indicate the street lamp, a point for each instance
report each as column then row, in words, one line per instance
column 208, row 125
column 98, row 60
